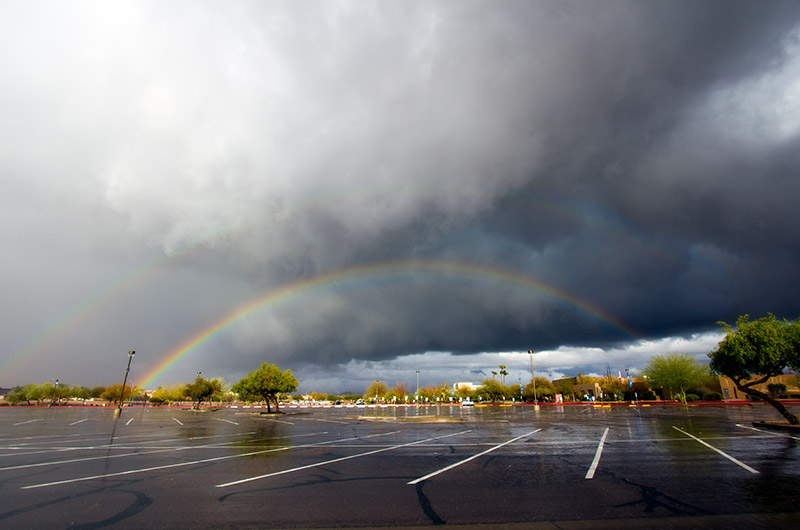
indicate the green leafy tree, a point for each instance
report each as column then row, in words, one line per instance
column 114, row 392
column 442, row 392
column 465, row 392
column 755, row 351
column 375, row 391
column 493, row 390
column 34, row 392
column 676, row 372
column 80, row 392
column 545, row 390
column 266, row 383
column 202, row 390
column 168, row 395
column 18, row 395
column 565, row 387
column 97, row 391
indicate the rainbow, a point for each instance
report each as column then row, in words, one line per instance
column 352, row 275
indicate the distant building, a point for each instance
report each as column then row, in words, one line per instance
column 729, row 390
column 465, row 386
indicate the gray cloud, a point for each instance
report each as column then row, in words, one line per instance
column 164, row 165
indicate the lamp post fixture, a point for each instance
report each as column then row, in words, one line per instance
column 55, row 394
column 533, row 380
column 416, row 396
column 125, row 382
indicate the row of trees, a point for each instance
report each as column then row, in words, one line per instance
column 751, row 353
column 268, row 383
column 38, row 394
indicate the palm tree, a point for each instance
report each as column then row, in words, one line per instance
column 503, row 372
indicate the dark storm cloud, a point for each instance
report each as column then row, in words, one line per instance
column 638, row 160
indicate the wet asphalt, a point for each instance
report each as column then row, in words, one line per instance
column 483, row 467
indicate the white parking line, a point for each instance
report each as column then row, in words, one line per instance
column 768, row 432
column 227, row 421
column 473, row 457
column 726, row 455
column 29, row 421
column 593, row 467
column 138, row 453
column 179, row 421
column 203, row 461
column 79, row 421
column 342, row 459
column 279, row 421
column 128, row 422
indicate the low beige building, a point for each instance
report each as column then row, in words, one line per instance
column 729, row 390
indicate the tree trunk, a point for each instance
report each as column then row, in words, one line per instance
column 769, row 399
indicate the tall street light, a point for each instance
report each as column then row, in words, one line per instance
column 125, row 382
column 533, row 380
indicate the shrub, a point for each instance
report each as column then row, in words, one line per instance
column 712, row 396
column 692, row 397
column 777, row 390
column 649, row 396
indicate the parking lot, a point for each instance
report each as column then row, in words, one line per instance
column 559, row 467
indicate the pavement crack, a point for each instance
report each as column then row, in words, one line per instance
column 425, row 504
column 653, row 498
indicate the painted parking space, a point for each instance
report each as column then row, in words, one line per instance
column 416, row 468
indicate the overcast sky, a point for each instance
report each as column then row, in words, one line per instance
column 452, row 183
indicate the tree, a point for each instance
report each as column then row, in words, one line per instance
column 676, row 372
column 267, row 384
column 397, row 393
column 755, row 351
column 545, row 390
column 203, row 389
column 375, row 390
column 18, row 395
column 80, row 392
column 503, row 373
column 493, row 389
column 113, row 393
column 565, row 387
column 163, row 395
column 613, row 386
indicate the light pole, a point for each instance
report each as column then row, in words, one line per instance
column 533, row 380
column 416, row 396
column 55, row 394
column 125, row 382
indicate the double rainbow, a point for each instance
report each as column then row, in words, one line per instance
column 406, row 269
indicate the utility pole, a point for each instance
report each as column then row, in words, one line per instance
column 124, row 382
column 533, row 380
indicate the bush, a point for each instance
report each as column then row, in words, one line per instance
column 692, row 397
column 712, row 396
column 777, row 390
column 649, row 396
